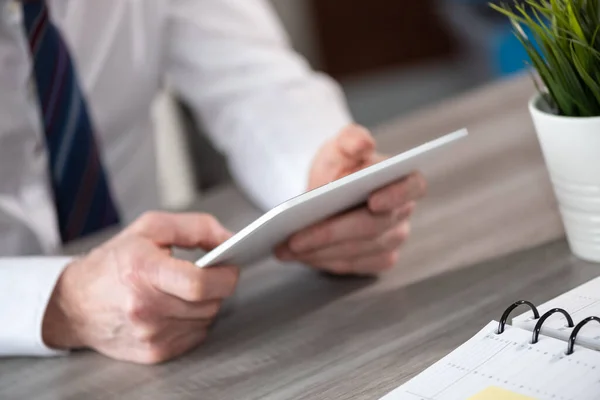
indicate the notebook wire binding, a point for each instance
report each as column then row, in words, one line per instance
column 542, row 319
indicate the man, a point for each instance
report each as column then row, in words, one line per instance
column 77, row 79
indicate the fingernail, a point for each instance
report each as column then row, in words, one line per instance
column 226, row 235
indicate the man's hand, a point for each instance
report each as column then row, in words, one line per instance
column 366, row 240
column 130, row 300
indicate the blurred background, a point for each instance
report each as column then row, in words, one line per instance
column 394, row 56
column 390, row 56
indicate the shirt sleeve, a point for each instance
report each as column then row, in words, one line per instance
column 259, row 101
column 26, row 285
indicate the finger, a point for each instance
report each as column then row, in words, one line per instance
column 390, row 240
column 204, row 310
column 186, row 281
column 367, row 265
column 168, row 306
column 375, row 263
column 167, row 251
column 397, row 194
column 162, row 330
column 188, row 342
column 356, row 143
column 172, row 343
column 189, row 230
column 348, row 152
column 357, row 224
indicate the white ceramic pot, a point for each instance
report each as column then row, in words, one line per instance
column 571, row 148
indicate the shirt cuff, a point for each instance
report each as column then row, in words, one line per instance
column 26, row 284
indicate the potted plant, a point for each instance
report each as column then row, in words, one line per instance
column 563, row 45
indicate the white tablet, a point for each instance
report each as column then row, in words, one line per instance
column 258, row 239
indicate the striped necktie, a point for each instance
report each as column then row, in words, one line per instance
column 81, row 192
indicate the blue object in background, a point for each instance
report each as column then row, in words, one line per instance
column 487, row 33
column 510, row 54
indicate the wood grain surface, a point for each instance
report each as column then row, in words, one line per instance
column 487, row 235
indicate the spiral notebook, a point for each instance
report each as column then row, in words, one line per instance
column 549, row 353
column 581, row 302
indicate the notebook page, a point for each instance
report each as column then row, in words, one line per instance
column 581, row 302
column 489, row 363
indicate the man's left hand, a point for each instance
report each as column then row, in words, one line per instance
column 366, row 240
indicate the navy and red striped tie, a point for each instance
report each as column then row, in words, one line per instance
column 83, row 200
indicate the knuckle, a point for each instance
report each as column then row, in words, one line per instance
column 397, row 194
column 351, row 249
column 154, row 355
column 148, row 220
column 212, row 310
column 324, row 234
column 145, row 334
column 209, row 221
column 130, row 265
column 372, row 226
column 394, row 195
column 406, row 229
column 135, row 309
column 230, row 279
column 359, row 132
column 384, row 243
column 400, row 234
column 390, row 260
column 327, row 234
column 195, row 289
column 136, row 260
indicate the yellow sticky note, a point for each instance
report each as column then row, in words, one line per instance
column 496, row 393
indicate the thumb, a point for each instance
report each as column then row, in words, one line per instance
column 355, row 144
column 350, row 151
column 187, row 230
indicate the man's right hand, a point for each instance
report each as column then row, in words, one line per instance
column 130, row 300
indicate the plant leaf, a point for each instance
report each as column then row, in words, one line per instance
column 560, row 38
column 575, row 23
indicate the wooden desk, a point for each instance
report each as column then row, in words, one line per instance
column 291, row 333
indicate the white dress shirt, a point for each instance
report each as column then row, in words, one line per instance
column 228, row 59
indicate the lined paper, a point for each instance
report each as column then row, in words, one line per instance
column 508, row 361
